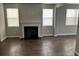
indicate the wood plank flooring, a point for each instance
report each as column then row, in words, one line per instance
column 46, row 46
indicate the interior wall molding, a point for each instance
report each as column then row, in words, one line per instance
column 64, row 34
column 47, row 35
column 3, row 39
column 13, row 36
column 76, row 53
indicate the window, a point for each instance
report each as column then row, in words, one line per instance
column 12, row 17
column 72, row 16
column 47, row 17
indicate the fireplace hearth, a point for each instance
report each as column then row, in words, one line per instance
column 31, row 32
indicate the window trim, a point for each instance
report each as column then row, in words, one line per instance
column 13, row 17
column 48, row 17
column 75, row 24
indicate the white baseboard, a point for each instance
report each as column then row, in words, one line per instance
column 47, row 35
column 77, row 53
column 3, row 39
column 20, row 36
column 40, row 36
column 43, row 35
column 64, row 34
column 13, row 36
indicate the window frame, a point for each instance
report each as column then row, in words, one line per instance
column 48, row 17
column 76, row 17
column 12, row 18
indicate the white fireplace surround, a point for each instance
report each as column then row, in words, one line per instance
column 31, row 24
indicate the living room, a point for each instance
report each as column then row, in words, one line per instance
column 43, row 25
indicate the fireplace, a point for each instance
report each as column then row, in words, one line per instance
column 30, row 32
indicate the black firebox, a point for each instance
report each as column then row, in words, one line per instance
column 31, row 32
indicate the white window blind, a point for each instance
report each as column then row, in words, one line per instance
column 12, row 17
column 72, row 16
column 47, row 17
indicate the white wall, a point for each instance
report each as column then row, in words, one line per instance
column 77, row 41
column 31, row 14
column 28, row 13
column 47, row 30
column 11, row 31
column 61, row 28
column 2, row 23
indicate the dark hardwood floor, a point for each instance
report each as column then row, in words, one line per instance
column 46, row 46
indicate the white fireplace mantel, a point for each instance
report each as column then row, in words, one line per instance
column 31, row 24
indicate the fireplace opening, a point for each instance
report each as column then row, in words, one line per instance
column 31, row 32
